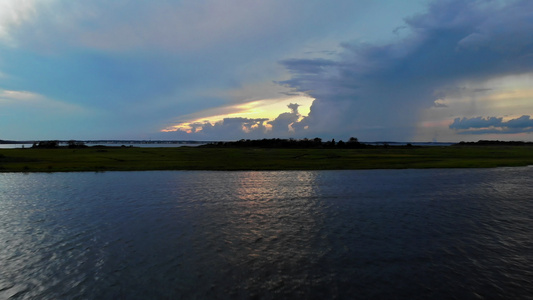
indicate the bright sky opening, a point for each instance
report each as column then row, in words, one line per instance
column 267, row 110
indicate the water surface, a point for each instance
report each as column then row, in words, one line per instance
column 448, row 234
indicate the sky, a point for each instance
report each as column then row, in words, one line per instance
column 407, row 71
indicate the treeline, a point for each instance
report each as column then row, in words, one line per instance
column 56, row 144
column 352, row 143
column 494, row 143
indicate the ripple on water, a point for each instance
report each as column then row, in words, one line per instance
column 329, row 234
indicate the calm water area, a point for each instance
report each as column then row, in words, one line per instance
column 12, row 146
column 376, row 234
column 146, row 145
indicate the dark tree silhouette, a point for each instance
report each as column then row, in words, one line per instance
column 46, row 144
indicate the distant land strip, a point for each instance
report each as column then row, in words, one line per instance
column 77, row 157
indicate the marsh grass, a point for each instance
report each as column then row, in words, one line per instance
column 193, row 158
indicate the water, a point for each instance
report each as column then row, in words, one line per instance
column 389, row 234
column 12, row 146
column 144, row 145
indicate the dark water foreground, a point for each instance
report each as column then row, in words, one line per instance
column 408, row 234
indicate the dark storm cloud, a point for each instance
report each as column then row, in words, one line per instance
column 377, row 91
column 480, row 125
column 478, row 122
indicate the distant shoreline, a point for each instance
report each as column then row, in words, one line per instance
column 196, row 142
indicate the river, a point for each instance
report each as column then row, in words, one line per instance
column 388, row 234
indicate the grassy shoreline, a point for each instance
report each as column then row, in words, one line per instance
column 234, row 159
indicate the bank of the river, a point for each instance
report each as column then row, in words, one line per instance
column 192, row 158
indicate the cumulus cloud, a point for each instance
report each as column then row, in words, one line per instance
column 241, row 127
column 478, row 122
column 377, row 91
column 490, row 125
column 522, row 122
column 232, row 128
column 282, row 125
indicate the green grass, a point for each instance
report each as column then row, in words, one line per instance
column 185, row 158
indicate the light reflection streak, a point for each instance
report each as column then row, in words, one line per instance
column 275, row 220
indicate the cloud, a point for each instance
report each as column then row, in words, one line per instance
column 478, row 122
column 269, row 109
column 378, row 91
column 491, row 125
column 127, row 25
column 439, row 103
column 40, row 116
column 522, row 122
column 11, row 99
column 141, row 64
column 149, row 62
column 282, row 125
column 239, row 127
column 233, row 127
column 225, row 129
column 175, row 26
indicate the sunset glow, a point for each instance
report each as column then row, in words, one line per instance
column 267, row 109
